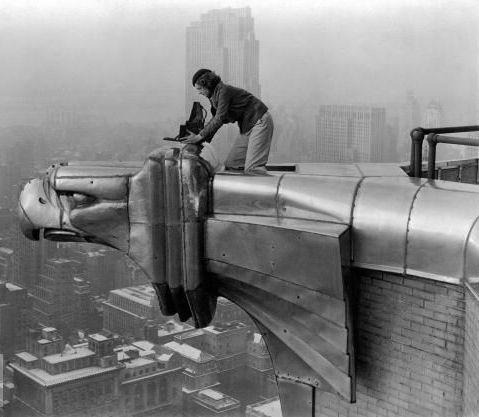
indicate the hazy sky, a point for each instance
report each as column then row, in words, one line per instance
column 311, row 51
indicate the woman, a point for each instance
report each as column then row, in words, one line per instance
column 231, row 104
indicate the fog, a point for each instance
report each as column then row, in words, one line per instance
column 127, row 58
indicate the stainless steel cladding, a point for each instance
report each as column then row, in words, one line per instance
column 399, row 224
column 153, row 212
column 284, row 246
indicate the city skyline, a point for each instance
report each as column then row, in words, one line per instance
column 124, row 61
column 106, row 81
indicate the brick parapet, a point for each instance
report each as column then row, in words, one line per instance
column 471, row 354
column 410, row 349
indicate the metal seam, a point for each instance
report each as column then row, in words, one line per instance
column 406, row 238
column 183, row 233
column 128, row 188
column 276, row 197
column 78, row 177
column 466, row 243
column 351, row 216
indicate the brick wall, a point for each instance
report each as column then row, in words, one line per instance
column 471, row 355
column 410, row 349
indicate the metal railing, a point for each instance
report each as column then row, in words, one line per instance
column 434, row 137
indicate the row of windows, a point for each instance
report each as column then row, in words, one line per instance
column 94, row 393
column 145, row 371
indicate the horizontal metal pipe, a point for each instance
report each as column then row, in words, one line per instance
column 452, row 129
column 417, row 137
column 456, row 140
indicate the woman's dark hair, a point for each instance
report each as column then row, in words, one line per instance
column 208, row 80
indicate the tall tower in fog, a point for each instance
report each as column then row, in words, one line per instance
column 433, row 116
column 347, row 133
column 223, row 40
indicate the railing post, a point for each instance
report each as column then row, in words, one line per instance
column 417, row 138
column 431, row 157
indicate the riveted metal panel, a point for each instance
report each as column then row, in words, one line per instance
column 287, row 365
column 310, row 259
column 380, row 222
column 146, row 205
column 294, row 335
column 103, row 182
column 318, row 198
column 242, row 194
column 438, row 230
column 297, row 399
column 329, row 308
column 106, row 221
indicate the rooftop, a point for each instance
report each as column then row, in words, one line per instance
column 141, row 293
column 6, row 251
column 61, row 261
column 165, row 357
column 144, row 345
column 173, row 327
column 43, row 378
column 189, row 352
column 189, row 334
column 49, row 329
column 139, row 362
column 267, row 408
column 225, row 327
column 27, row 357
column 12, row 287
column 98, row 337
column 216, row 400
column 68, row 355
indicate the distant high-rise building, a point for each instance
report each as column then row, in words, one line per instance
column 409, row 117
column 348, row 133
column 433, row 116
column 6, row 263
column 6, row 389
column 224, row 41
column 13, row 318
column 60, row 297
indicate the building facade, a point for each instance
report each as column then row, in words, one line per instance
column 13, row 318
column 129, row 310
column 224, row 41
column 60, row 298
column 348, row 133
column 95, row 378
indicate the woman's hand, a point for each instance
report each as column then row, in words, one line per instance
column 192, row 138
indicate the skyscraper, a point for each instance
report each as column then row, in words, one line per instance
column 433, row 116
column 224, row 41
column 347, row 133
